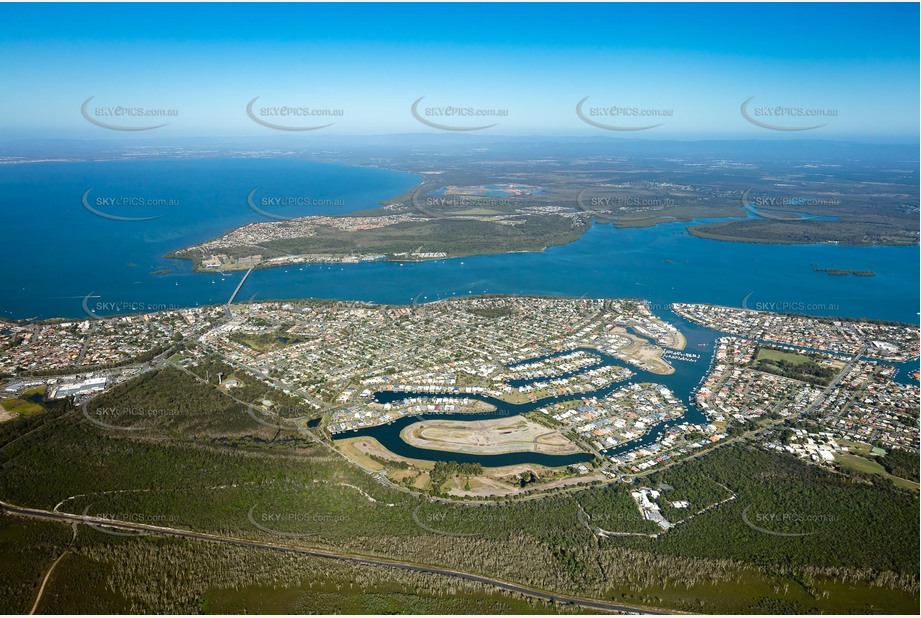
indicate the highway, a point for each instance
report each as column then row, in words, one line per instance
column 318, row 553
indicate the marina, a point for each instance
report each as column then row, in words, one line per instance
column 683, row 383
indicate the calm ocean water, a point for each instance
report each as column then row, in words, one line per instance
column 58, row 252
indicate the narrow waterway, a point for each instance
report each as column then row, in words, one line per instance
column 683, row 383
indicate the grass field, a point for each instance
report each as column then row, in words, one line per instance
column 358, row 449
column 794, row 365
column 20, row 406
column 362, row 447
column 860, row 448
column 871, row 466
column 770, row 354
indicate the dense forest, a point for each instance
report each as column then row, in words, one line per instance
column 208, row 465
column 902, row 464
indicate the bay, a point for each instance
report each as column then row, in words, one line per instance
column 59, row 252
column 63, row 247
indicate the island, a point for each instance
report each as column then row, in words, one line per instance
column 478, row 205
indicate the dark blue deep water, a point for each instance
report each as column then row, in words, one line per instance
column 58, row 252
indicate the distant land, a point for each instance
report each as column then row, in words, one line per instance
column 489, row 201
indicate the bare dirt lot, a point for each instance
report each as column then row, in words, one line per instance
column 647, row 355
column 488, row 437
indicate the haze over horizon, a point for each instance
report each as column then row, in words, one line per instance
column 693, row 67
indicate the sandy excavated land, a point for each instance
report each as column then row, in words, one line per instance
column 498, row 481
column 505, row 484
column 647, row 355
column 360, row 450
column 488, row 437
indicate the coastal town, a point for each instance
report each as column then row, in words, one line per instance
column 624, row 415
column 444, row 309
column 571, row 365
column 473, row 346
column 888, row 341
column 243, row 248
column 864, row 401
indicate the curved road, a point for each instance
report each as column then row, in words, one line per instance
column 318, row 553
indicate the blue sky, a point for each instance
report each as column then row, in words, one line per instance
column 700, row 62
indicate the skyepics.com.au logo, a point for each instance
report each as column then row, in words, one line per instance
column 785, row 305
column 785, row 117
column 752, row 200
column 426, row 297
column 479, row 519
column 617, row 523
column 297, row 206
column 93, row 308
column 291, row 117
column 125, row 117
column 305, row 522
column 121, row 418
column 98, row 521
column 455, row 117
column 621, row 117
column 596, row 202
column 468, row 201
column 107, row 206
column 787, row 523
column 459, row 206
column 419, row 299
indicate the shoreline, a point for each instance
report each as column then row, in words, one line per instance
column 694, row 230
column 314, row 299
column 691, row 226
